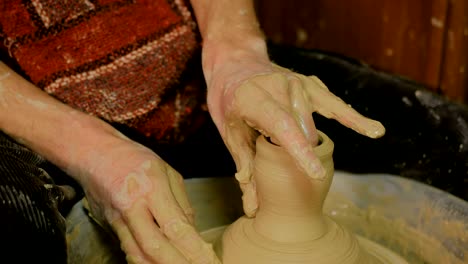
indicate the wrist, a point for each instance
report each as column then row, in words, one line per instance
column 83, row 138
column 101, row 154
column 56, row 131
column 221, row 54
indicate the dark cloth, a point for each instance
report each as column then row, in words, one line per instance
column 32, row 229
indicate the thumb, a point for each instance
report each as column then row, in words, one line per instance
column 240, row 140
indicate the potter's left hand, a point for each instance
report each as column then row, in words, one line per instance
column 248, row 93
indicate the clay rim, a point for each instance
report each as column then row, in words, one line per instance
column 323, row 149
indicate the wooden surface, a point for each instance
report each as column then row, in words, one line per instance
column 454, row 79
column 406, row 37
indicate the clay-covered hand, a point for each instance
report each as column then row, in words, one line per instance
column 144, row 201
column 250, row 94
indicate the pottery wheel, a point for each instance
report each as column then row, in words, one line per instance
column 363, row 203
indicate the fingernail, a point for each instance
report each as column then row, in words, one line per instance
column 313, row 169
column 311, row 164
column 376, row 130
column 316, row 171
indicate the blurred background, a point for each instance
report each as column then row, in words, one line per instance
column 424, row 40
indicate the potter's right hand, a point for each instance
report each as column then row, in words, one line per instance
column 143, row 200
column 247, row 93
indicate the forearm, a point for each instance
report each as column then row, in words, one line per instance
column 64, row 136
column 229, row 29
column 219, row 19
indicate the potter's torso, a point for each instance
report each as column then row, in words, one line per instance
column 121, row 60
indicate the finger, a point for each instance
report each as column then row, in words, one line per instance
column 249, row 198
column 240, row 142
column 176, row 227
column 127, row 243
column 272, row 84
column 331, row 106
column 319, row 83
column 302, row 110
column 154, row 245
column 177, row 186
column 280, row 123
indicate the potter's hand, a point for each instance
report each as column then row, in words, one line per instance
column 127, row 185
column 144, row 201
column 248, row 93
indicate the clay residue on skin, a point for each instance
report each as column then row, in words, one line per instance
column 21, row 141
column 238, row 141
column 243, row 12
column 136, row 184
column 40, row 105
column 4, row 75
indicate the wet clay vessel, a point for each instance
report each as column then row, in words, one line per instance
column 289, row 226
